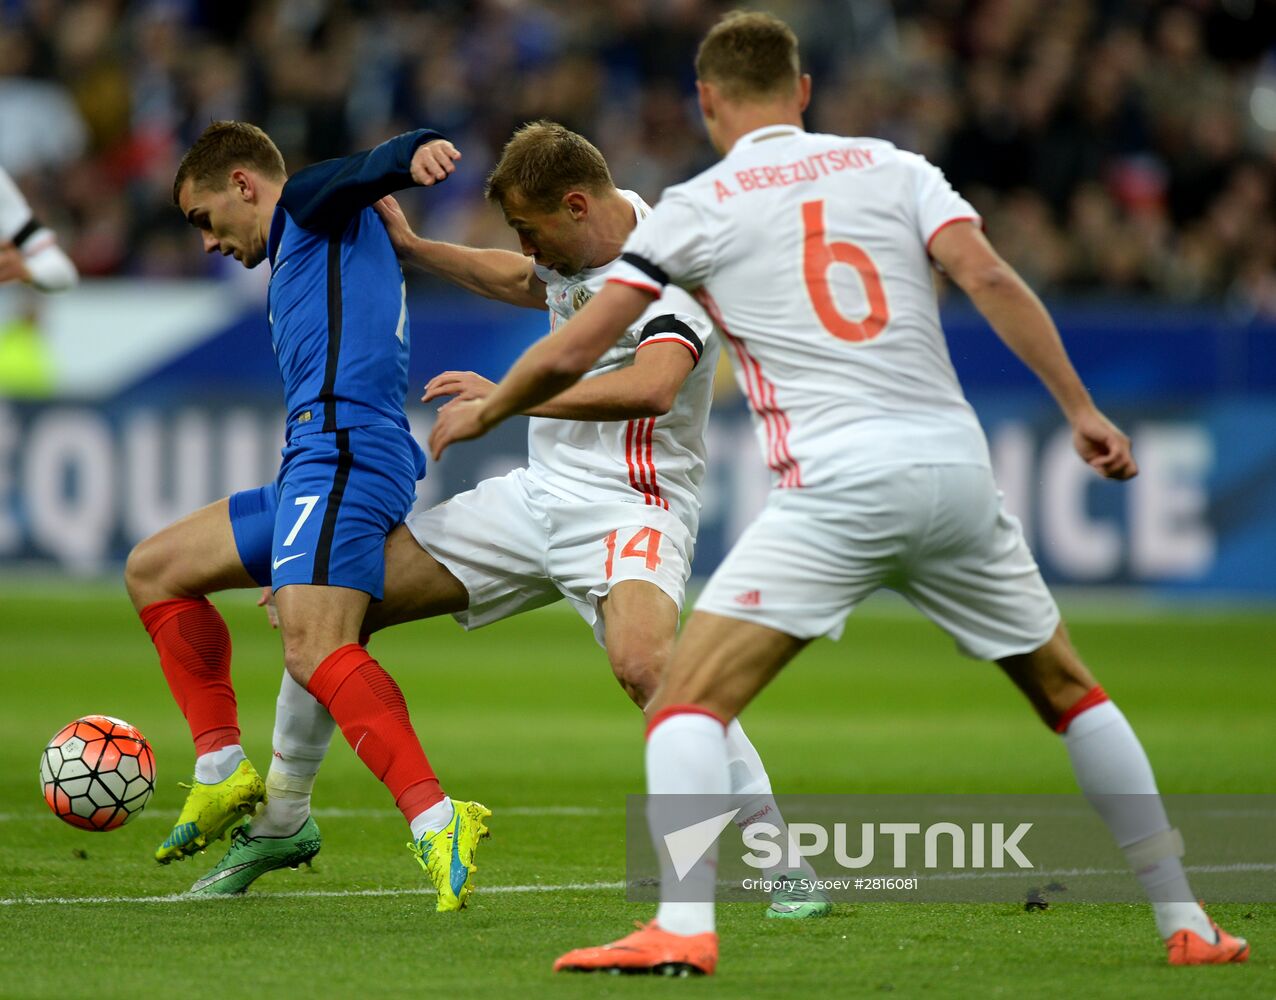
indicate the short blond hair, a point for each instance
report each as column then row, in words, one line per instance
column 749, row 55
column 542, row 162
column 221, row 148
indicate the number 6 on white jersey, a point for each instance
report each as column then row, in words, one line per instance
column 309, row 504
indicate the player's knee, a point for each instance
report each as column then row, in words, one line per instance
column 638, row 671
column 300, row 660
column 145, row 572
column 306, row 645
column 299, row 671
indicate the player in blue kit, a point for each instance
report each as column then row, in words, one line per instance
column 338, row 320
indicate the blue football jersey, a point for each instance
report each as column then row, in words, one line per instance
column 337, row 308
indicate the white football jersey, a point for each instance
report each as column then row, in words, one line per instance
column 16, row 222
column 657, row 461
column 810, row 253
column 51, row 270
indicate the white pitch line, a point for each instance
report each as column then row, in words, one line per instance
column 577, row 887
column 303, row 894
column 339, row 813
column 1239, row 866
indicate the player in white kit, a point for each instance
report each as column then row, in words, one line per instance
column 812, row 253
column 30, row 255
column 604, row 514
column 29, row 250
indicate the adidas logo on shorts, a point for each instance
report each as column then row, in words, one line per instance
column 750, row 598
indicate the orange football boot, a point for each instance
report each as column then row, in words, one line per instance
column 649, row 950
column 1189, row 948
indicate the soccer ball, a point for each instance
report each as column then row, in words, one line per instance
column 97, row 773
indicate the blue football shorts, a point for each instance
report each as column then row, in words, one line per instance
column 324, row 520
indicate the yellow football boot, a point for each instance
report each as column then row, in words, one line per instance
column 448, row 855
column 210, row 811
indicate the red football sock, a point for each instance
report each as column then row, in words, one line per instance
column 369, row 708
column 194, row 650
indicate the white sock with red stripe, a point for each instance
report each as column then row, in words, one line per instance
column 686, row 755
column 1115, row 776
column 303, row 731
column 751, row 786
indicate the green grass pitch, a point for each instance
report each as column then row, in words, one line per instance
column 525, row 717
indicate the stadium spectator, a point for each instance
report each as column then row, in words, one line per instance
column 1104, row 142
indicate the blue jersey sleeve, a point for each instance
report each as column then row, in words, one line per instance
column 324, row 196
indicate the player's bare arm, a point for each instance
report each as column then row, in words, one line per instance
column 1021, row 321
column 495, row 274
column 647, row 388
column 548, row 367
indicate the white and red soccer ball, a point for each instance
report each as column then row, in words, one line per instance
column 97, row 772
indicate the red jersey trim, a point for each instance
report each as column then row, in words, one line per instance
column 655, row 290
column 629, row 457
column 762, row 398
column 670, row 340
column 651, row 463
column 944, row 225
column 640, row 457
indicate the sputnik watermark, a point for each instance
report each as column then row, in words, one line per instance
column 826, row 885
column 990, row 845
column 688, row 844
column 945, row 848
column 770, row 848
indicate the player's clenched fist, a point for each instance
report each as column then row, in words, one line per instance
column 1103, row 446
column 433, row 161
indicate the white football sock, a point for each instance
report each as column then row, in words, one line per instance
column 1115, row 776
column 287, row 804
column 752, row 787
column 218, row 765
column 434, row 819
column 303, row 732
column 687, row 755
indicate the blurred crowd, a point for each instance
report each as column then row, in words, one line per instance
column 1114, row 147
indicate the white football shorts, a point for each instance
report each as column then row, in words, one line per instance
column 937, row 534
column 516, row 547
